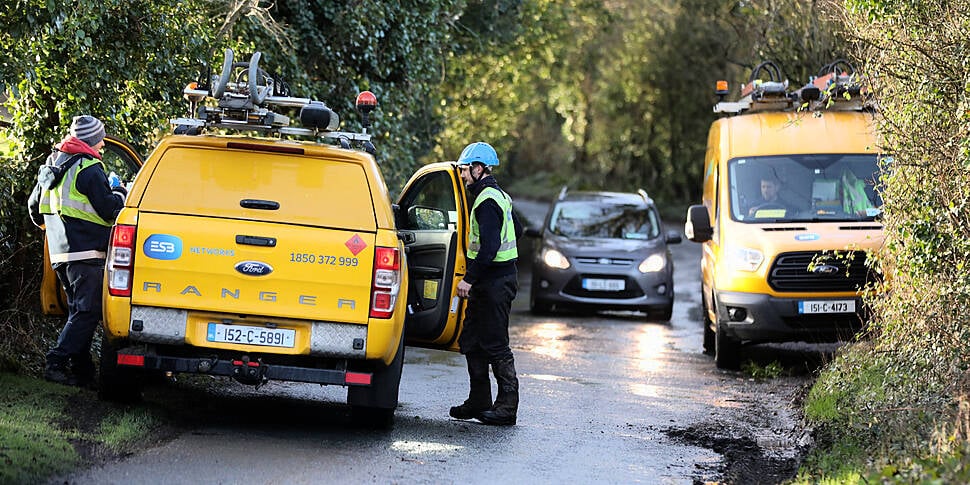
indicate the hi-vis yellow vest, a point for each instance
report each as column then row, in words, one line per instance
column 65, row 200
column 507, row 250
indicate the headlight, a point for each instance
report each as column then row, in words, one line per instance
column 745, row 259
column 554, row 259
column 654, row 263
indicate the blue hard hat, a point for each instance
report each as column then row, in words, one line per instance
column 480, row 152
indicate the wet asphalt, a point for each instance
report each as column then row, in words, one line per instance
column 605, row 398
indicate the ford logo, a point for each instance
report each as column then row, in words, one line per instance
column 825, row 269
column 253, row 268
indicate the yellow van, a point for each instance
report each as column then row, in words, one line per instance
column 789, row 211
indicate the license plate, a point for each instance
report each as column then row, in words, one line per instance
column 827, row 306
column 244, row 334
column 594, row 284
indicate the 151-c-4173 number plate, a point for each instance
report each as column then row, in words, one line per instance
column 826, row 306
column 244, row 334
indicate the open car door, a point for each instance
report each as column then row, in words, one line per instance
column 432, row 220
column 118, row 157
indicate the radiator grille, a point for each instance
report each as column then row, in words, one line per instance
column 842, row 272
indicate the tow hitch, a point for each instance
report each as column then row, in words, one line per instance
column 248, row 371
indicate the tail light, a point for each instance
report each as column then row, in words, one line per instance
column 121, row 260
column 387, row 282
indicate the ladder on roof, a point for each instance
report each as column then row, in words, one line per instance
column 248, row 98
column 835, row 88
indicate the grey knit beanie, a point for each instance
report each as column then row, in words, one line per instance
column 88, row 129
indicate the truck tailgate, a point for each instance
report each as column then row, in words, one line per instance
column 252, row 267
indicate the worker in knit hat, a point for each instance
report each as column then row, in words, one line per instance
column 88, row 129
column 76, row 205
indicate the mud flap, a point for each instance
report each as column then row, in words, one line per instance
column 383, row 391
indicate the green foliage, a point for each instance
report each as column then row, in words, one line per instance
column 41, row 423
column 903, row 399
column 33, row 446
column 770, row 370
column 617, row 95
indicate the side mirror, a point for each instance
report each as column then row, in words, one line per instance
column 673, row 237
column 698, row 227
column 533, row 232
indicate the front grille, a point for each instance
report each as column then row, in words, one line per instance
column 848, row 272
column 604, row 261
column 575, row 288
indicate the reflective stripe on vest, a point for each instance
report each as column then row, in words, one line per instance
column 71, row 202
column 507, row 250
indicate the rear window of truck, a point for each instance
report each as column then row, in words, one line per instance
column 263, row 186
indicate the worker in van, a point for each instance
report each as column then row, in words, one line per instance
column 490, row 284
column 770, row 188
column 76, row 204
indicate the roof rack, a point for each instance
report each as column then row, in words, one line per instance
column 248, row 97
column 835, row 88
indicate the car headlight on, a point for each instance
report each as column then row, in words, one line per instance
column 653, row 263
column 745, row 259
column 554, row 259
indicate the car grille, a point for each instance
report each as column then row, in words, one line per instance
column 790, row 272
column 604, row 261
column 575, row 288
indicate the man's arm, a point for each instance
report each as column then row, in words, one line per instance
column 107, row 201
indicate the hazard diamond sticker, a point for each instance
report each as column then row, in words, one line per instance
column 355, row 244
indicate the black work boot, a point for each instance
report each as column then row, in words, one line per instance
column 506, row 404
column 57, row 371
column 480, row 392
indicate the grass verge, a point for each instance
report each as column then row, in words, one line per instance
column 48, row 430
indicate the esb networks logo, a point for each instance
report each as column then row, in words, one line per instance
column 163, row 246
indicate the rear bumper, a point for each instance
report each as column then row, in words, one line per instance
column 243, row 369
column 766, row 318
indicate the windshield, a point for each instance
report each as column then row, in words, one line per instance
column 804, row 188
column 609, row 220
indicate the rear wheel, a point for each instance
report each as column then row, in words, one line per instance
column 116, row 383
column 373, row 407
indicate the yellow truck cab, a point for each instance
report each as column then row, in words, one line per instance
column 267, row 258
column 789, row 212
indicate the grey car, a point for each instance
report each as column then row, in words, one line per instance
column 603, row 251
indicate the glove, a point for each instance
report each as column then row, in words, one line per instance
column 114, row 180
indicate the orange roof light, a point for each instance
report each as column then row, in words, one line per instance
column 722, row 87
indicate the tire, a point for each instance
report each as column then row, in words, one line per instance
column 373, row 407
column 661, row 314
column 539, row 306
column 117, row 383
column 727, row 350
column 709, row 337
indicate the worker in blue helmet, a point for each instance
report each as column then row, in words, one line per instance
column 490, row 284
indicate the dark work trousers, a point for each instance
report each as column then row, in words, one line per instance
column 82, row 281
column 486, row 328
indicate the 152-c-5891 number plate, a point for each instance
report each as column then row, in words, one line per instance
column 244, row 334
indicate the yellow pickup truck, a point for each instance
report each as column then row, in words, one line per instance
column 789, row 212
column 269, row 258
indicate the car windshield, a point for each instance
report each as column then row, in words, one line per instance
column 804, row 188
column 592, row 219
